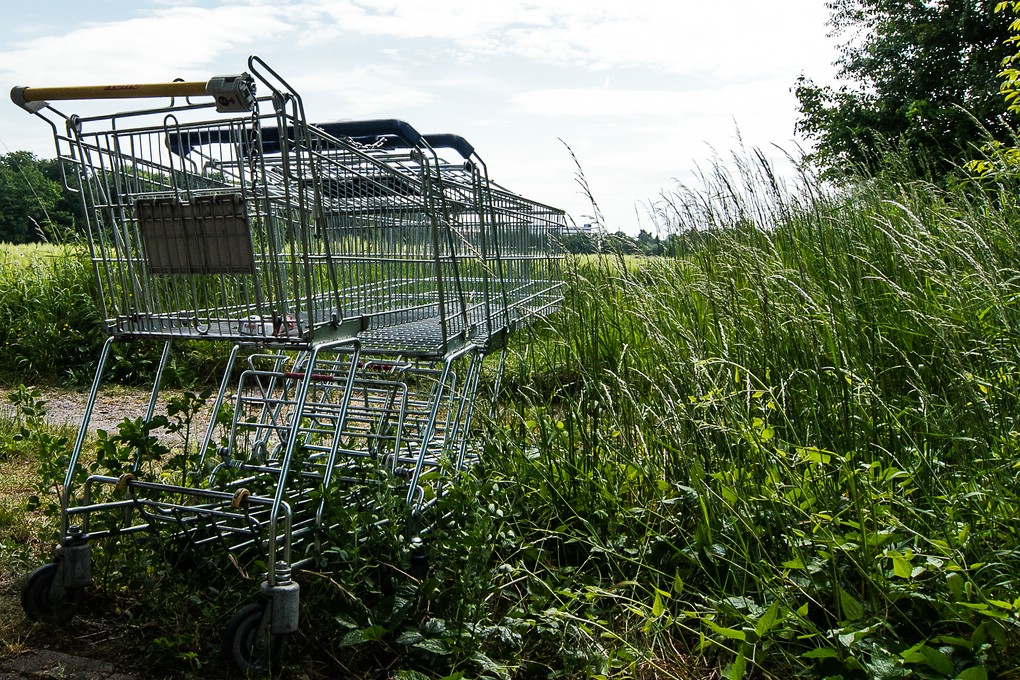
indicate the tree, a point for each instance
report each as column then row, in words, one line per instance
column 1010, row 73
column 33, row 204
column 620, row 243
column 919, row 75
column 648, row 244
column 579, row 243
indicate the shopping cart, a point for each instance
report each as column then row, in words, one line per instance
column 359, row 278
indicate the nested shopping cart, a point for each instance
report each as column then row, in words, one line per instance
column 358, row 275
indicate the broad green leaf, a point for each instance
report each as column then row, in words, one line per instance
column 729, row 494
column 657, row 607
column 409, row 675
column 434, row 646
column 995, row 631
column 812, row 454
column 901, row 566
column 354, row 637
column 731, row 633
column 962, row 643
column 767, row 620
column 955, row 582
column 821, row 653
column 410, row 637
column 739, row 667
column 852, row 608
column 929, row 656
column 914, row 654
column 975, row 673
column 938, row 661
column 486, row 663
column 374, row 633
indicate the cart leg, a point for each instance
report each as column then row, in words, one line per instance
column 419, row 559
column 284, row 596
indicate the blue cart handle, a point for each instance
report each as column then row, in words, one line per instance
column 385, row 133
column 449, row 141
column 391, row 131
column 444, row 141
column 386, row 127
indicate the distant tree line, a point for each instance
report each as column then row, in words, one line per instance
column 675, row 244
column 587, row 243
column 34, row 206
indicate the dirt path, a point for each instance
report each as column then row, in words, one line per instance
column 113, row 404
column 46, row 664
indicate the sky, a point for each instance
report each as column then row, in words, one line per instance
column 643, row 92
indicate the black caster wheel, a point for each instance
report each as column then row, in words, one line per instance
column 43, row 602
column 248, row 646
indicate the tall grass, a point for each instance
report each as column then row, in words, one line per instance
column 51, row 331
column 789, row 450
column 49, row 325
column 793, row 447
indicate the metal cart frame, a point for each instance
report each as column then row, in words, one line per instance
column 363, row 275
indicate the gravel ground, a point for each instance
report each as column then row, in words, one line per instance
column 46, row 664
column 66, row 407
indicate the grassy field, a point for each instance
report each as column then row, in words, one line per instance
column 790, row 451
column 49, row 326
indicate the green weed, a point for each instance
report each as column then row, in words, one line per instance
column 788, row 449
column 795, row 437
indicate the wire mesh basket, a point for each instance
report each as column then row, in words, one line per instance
column 260, row 225
column 362, row 269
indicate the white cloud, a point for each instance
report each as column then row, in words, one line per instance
column 677, row 79
column 754, row 100
column 678, row 37
column 361, row 92
column 719, row 41
column 161, row 45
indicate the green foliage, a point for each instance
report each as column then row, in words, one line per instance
column 998, row 159
column 796, row 440
column 49, row 325
column 33, row 203
column 919, row 77
column 51, row 331
column 1010, row 73
column 592, row 242
column 786, row 450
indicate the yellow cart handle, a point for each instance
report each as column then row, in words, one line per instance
column 232, row 93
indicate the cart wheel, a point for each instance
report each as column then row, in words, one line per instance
column 250, row 650
column 42, row 604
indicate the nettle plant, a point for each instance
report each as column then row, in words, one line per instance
column 138, row 446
